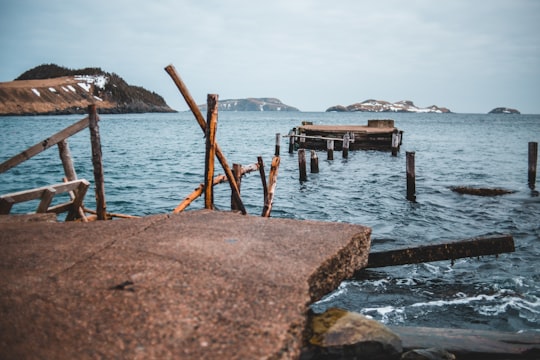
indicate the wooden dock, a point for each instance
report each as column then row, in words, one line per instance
column 376, row 135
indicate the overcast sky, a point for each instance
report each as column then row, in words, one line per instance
column 467, row 55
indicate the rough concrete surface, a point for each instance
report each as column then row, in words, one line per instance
column 199, row 285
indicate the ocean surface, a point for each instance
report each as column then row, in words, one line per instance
column 153, row 161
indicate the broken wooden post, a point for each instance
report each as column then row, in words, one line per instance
column 395, row 142
column 411, row 177
column 272, row 183
column 449, row 251
column 330, row 149
column 345, row 146
column 67, row 160
column 263, row 178
column 200, row 120
column 533, row 159
column 212, row 116
column 302, row 164
column 237, row 171
column 278, row 140
column 97, row 162
column 291, row 141
column 314, row 162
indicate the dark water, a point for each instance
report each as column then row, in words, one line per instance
column 152, row 161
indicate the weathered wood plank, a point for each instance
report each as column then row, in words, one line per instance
column 44, row 145
column 448, row 251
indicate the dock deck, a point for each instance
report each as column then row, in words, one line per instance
column 201, row 284
column 376, row 135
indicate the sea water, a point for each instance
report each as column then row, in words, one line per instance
column 153, row 161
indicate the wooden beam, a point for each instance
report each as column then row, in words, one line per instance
column 200, row 120
column 212, row 116
column 97, row 162
column 44, row 144
column 448, row 251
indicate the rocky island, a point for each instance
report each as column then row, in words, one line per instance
column 385, row 106
column 52, row 90
column 504, row 110
column 251, row 104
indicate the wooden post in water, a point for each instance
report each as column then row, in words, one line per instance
column 411, row 177
column 291, row 141
column 263, row 177
column 97, row 162
column 346, row 139
column 211, row 120
column 314, row 162
column 278, row 141
column 237, row 171
column 395, row 142
column 330, row 149
column 67, row 160
column 200, row 120
column 302, row 164
column 272, row 183
column 533, row 159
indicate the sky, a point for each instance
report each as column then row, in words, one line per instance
column 467, row 55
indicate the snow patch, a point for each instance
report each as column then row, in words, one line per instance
column 51, row 89
column 98, row 98
column 35, row 91
column 85, row 86
column 98, row 80
column 65, row 89
column 71, row 88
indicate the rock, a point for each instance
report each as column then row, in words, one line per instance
column 340, row 334
column 504, row 110
column 372, row 105
column 428, row 354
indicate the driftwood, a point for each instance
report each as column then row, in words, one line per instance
column 448, row 251
column 480, row 191
column 199, row 190
column 471, row 344
column 202, row 123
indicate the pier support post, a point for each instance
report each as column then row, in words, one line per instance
column 411, row 177
column 330, row 149
column 533, row 159
column 212, row 115
column 97, row 162
column 291, row 141
column 395, row 142
column 302, row 164
column 346, row 139
column 314, row 162
column 263, row 178
column 278, row 141
column 237, row 172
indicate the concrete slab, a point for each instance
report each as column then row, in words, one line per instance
column 198, row 285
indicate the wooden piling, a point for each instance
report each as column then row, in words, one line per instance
column 200, row 120
column 278, row 141
column 330, row 149
column 97, row 162
column 263, row 177
column 314, row 162
column 411, row 177
column 211, row 126
column 533, row 159
column 291, row 141
column 345, row 147
column 237, row 171
column 395, row 142
column 272, row 183
column 67, row 160
column 302, row 164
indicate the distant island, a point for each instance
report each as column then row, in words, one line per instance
column 504, row 110
column 385, row 106
column 50, row 89
column 251, row 104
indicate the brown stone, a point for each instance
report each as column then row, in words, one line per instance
column 202, row 284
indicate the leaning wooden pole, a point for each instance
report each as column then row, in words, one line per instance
column 97, row 162
column 212, row 116
column 202, row 123
column 448, row 251
column 272, row 183
column 263, row 178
